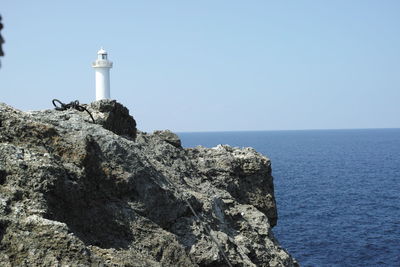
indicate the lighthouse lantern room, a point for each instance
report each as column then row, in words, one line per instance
column 102, row 67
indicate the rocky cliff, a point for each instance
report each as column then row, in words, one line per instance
column 78, row 193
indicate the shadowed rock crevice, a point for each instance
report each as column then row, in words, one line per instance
column 92, row 220
column 3, row 228
column 3, row 175
column 88, row 205
column 257, row 192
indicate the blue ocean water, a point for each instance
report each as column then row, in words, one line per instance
column 337, row 191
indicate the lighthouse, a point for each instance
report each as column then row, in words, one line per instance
column 102, row 67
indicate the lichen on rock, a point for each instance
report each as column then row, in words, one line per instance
column 78, row 193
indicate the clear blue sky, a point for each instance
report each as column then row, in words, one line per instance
column 212, row 65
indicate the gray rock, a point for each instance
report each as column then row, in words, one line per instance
column 114, row 117
column 78, row 193
column 169, row 137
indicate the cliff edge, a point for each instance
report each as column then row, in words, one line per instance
column 78, row 193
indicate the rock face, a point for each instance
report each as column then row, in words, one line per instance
column 77, row 193
column 114, row 117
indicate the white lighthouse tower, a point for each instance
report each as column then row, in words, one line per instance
column 102, row 66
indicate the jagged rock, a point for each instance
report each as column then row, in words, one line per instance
column 114, row 117
column 169, row 137
column 78, row 193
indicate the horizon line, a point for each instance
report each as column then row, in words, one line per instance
column 289, row 130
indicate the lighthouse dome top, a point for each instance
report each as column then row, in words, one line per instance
column 102, row 61
column 101, row 51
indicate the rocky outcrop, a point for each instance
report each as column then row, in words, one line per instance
column 114, row 117
column 78, row 193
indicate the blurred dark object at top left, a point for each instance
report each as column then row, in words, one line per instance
column 1, row 39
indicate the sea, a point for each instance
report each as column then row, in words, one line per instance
column 337, row 191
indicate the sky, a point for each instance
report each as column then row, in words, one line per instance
column 211, row 65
